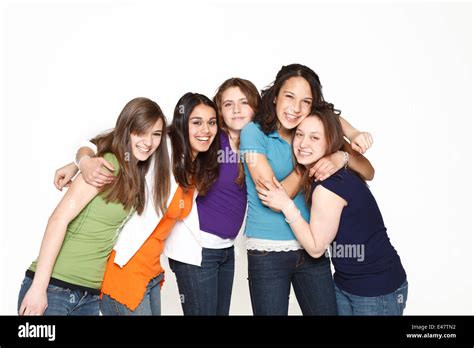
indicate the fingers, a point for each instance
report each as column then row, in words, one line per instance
column 355, row 147
column 315, row 169
column 57, row 182
column 107, row 164
column 277, row 183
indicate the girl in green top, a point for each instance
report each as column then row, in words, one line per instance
column 67, row 276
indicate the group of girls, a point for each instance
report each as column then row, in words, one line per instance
column 278, row 160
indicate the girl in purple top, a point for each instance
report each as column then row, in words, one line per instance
column 207, row 289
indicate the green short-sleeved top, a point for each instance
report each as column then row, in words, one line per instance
column 89, row 240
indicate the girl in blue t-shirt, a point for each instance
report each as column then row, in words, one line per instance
column 369, row 277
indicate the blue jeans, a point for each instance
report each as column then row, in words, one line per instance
column 206, row 290
column 272, row 273
column 62, row 301
column 150, row 305
column 390, row 304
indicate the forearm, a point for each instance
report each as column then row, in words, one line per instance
column 301, row 229
column 293, row 183
column 361, row 165
column 348, row 130
column 50, row 247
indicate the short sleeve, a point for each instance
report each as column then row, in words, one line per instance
column 339, row 183
column 88, row 144
column 110, row 157
column 252, row 139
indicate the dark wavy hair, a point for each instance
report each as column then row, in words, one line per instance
column 204, row 170
column 137, row 117
column 266, row 115
column 253, row 97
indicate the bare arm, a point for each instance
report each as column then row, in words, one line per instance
column 326, row 210
column 261, row 172
column 90, row 167
column 75, row 199
column 360, row 141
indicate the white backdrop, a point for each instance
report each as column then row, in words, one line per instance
column 401, row 71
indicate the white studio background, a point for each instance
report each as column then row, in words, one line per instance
column 401, row 71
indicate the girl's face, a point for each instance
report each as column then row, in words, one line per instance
column 144, row 145
column 235, row 108
column 202, row 128
column 293, row 102
column 309, row 143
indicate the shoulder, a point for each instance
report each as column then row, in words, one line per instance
column 251, row 129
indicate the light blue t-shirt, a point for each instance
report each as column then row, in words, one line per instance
column 262, row 222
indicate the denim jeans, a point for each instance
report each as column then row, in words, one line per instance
column 150, row 305
column 62, row 301
column 272, row 273
column 390, row 304
column 206, row 290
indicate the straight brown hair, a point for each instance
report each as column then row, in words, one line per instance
column 253, row 97
column 137, row 117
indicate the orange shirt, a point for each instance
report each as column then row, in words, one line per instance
column 127, row 285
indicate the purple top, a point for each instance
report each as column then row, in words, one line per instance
column 221, row 211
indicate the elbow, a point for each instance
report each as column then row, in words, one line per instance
column 370, row 175
column 316, row 253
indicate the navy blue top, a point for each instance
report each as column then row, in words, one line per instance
column 365, row 262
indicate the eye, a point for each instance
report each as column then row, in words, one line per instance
column 157, row 134
column 197, row 123
column 212, row 123
column 245, row 102
column 307, row 102
column 298, row 134
column 289, row 96
column 314, row 138
column 226, row 105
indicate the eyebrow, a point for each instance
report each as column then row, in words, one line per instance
column 310, row 98
column 231, row 101
column 200, row 118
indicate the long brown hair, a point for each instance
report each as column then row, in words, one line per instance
column 204, row 170
column 253, row 98
column 334, row 142
column 137, row 117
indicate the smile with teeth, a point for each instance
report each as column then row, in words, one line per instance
column 304, row 153
column 143, row 149
column 203, row 139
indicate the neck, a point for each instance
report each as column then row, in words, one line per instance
column 284, row 133
column 233, row 134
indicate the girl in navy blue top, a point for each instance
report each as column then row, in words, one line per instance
column 369, row 277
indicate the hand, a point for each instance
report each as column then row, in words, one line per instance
column 35, row 302
column 63, row 176
column 273, row 195
column 94, row 174
column 327, row 166
column 361, row 142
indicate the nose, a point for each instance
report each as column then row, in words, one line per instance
column 236, row 109
column 147, row 139
column 303, row 143
column 296, row 107
column 205, row 128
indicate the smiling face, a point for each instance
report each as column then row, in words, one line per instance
column 202, row 128
column 293, row 102
column 235, row 108
column 144, row 145
column 309, row 143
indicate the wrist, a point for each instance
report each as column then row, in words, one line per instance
column 345, row 159
column 78, row 163
column 289, row 208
